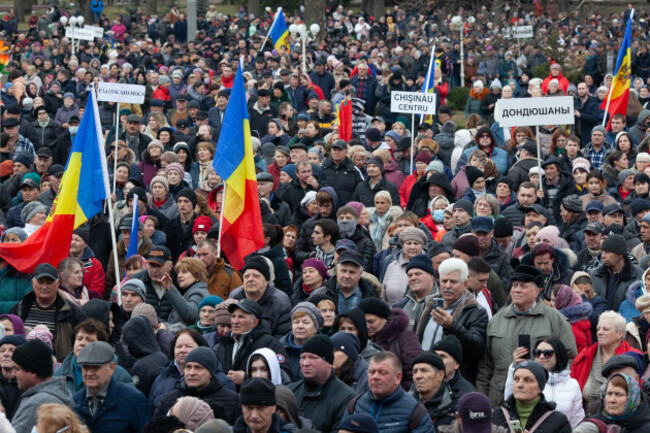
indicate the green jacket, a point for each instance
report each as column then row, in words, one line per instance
column 502, row 338
column 14, row 285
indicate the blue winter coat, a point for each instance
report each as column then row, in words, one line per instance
column 67, row 370
column 392, row 413
column 127, row 413
column 97, row 6
column 628, row 307
column 499, row 156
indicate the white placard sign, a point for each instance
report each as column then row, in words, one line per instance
column 521, row 32
column 79, row 33
column 98, row 31
column 557, row 110
column 116, row 92
column 413, row 102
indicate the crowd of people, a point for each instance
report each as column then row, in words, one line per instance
column 456, row 284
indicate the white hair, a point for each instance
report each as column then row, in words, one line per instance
column 618, row 320
column 452, row 265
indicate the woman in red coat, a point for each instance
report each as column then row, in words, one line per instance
column 587, row 366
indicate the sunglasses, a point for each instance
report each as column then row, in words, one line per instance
column 546, row 353
column 484, row 136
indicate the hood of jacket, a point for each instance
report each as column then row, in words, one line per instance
column 100, row 309
column 358, row 317
column 335, row 199
column 576, row 313
column 271, row 361
column 396, row 324
column 636, row 290
column 87, row 255
column 55, row 386
column 139, row 337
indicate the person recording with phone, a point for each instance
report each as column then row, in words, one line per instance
column 527, row 408
column 455, row 311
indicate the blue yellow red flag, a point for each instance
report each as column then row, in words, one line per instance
column 241, row 230
column 619, row 92
column 279, row 32
column 83, row 188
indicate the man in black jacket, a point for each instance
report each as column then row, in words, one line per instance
column 340, row 171
column 366, row 190
column 248, row 333
column 159, row 264
column 134, row 139
column 295, row 191
column 556, row 185
column 200, row 380
column 179, row 229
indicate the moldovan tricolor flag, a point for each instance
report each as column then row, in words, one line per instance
column 83, row 188
column 279, row 32
column 620, row 90
column 241, row 232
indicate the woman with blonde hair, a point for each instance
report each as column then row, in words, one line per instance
column 155, row 122
column 382, row 216
column 192, row 278
column 53, row 418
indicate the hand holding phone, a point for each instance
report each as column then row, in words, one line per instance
column 524, row 341
column 515, row 426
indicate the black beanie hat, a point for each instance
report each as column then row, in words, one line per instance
column 258, row 391
column 206, row 357
column 473, row 174
column 320, row 345
column 142, row 194
column 615, row 244
column 538, row 371
column 34, row 357
column 451, row 345
column 375, row 306
column 431, row 358
column 259, row 264
column 188, row 194
column 83, row 233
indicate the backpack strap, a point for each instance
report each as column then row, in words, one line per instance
column 488, row 298
column 353, row 403
column 506, row 415
column 418, row 412
column 540, row 421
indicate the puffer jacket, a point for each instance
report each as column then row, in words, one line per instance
column 393, row 174
column 470, row 322
column 498, row 155
column 276, row 309
column 396, row 337
column 343, row 178
column 441, row 406
column 293, row 350
column 518, row 173
column 561, row 389
column 46, row 136
column 67, row 317
column 556, row 423
column 395, row 282
column 578, row 316
column 394, row 413
column 323, row 404
column 94, row 276
column 634, row 292
column 178, row 240
column 502, row 338
column 141, row 342
column 186, row 305
column 365, row 246
column 169, row 208
column 215, row 392
column 15, row 285
column 52, row 390
column 566, row 187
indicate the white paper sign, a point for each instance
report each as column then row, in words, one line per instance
column 116, row 92
column 556, row 110
column 78, row 33
column 98, row 31
column 520, row 32
column 413, row 102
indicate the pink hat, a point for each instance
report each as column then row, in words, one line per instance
column 566, row 297
column 549, row 233
column 41, row 332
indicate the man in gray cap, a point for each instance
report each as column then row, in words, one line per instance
column 134, row 292
column 45, row 306
column 280, row 209
column 590, row 253
column 598, row 149
column 134, row 139
column 106, row 405
column 248, row 333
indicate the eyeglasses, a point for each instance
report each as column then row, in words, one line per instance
column 545, row 353
column 484, row 136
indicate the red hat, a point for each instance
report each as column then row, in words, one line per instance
column 202, row 224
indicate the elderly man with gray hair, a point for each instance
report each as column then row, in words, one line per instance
column 454, row 310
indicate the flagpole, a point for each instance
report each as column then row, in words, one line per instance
column 223, row 200
column 609, row 98
column 117, row 134
column 270, row 28
column 428, row 76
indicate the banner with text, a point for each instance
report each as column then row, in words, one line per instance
column 413, row 102
column 557, row 110
column 79, row 33
column 116, row 92
column 521, row 32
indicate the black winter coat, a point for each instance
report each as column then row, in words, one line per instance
column 178, row 239
column 215, row 394
column 282, row 279
column 323, row 404
column 142, row 344
column 556, row 423
column 469, row 326
column 9, row 395
column 518, row 173
column 257, row 338
column 305, row 244
column 278, row 425
column 163, row 306
column 637, row 422
column 566, row 187
column 344, row 178
column 276, row 308
column 365, row 194
column 293, row 193
column 365, row 247
column 331, row 291
column 441, row 407
column 47, row 136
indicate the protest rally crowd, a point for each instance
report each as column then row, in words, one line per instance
column 427, row 277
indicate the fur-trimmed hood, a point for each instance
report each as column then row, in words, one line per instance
column 576, row 313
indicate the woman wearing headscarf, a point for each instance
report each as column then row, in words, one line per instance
column 624, row 406
column 528, row 404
